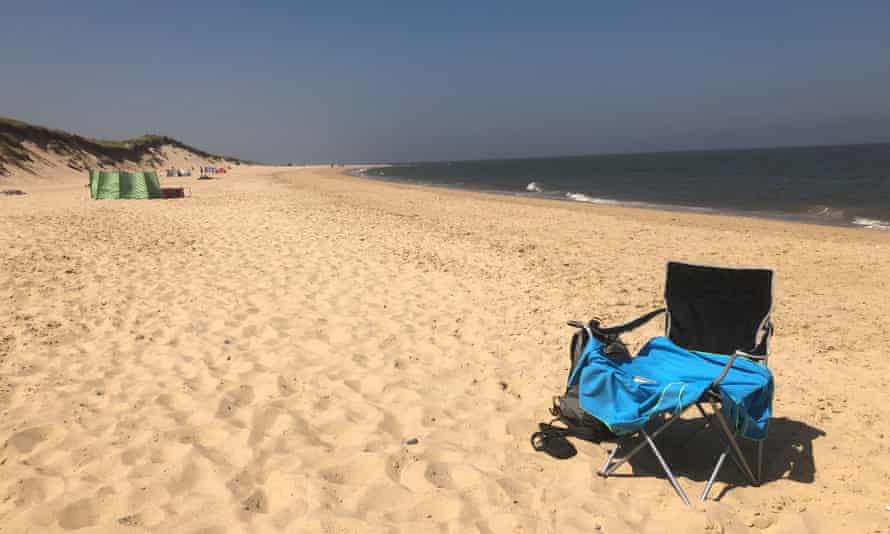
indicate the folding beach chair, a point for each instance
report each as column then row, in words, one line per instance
column 714, row 352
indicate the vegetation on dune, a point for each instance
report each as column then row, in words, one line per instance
column 14, row 153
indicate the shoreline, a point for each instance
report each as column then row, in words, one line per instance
column 584, row 199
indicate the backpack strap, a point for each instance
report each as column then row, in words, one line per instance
column 615, row 331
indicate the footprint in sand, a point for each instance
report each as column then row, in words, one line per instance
column 439, row 475
column 235, row 399
column 79, row 514
column 27, row 440
column 363, row 469
column 256, row 503
column 31, row 491
column 132, row 520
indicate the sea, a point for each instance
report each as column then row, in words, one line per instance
column 847, row 185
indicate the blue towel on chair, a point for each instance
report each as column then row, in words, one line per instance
column 624, row 393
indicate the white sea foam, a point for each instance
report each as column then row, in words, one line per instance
column 828, row 212
column 533, row 187
column 581, row 197
column 875, row 224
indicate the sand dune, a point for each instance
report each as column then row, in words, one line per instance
column 259, row 356
column 37, row 156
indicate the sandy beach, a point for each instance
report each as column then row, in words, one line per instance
column 262, row 356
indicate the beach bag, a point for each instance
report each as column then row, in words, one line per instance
column 566, row 408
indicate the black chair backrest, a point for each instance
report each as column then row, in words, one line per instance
column 717, row 309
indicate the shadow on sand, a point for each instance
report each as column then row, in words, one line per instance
column 692, row 452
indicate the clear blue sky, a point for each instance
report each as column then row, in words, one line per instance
column 287, row 81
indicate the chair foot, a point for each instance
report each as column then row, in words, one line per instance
column 713, row 477
column 607, row 468
column 667, row 470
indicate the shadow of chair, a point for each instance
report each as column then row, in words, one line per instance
column 692, row 451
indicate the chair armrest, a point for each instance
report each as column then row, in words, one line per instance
column 752, row 356
column 726, row 368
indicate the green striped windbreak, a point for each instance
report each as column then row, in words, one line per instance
column 122, row 184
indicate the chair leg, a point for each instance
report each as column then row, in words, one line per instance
column 726, row 442
column 760, row 460
column 610, row 467
column 667, row 469
column 732, row 450
column 713, row 477
column 735, row 447
column 605, row 471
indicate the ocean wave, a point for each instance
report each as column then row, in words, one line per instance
column 827, row 212
column 812, row 213
column 581, row 197
column 875, row 224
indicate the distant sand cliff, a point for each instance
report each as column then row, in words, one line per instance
column 27, row 150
